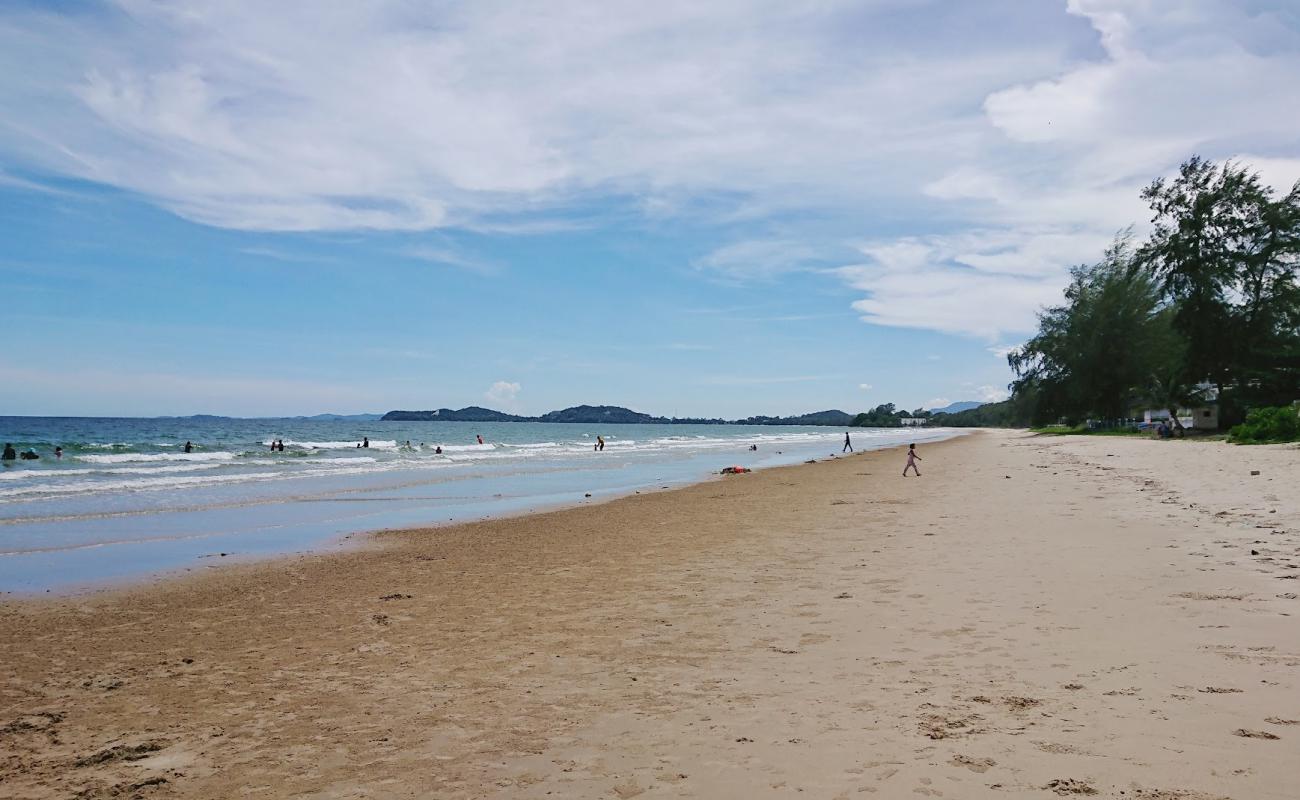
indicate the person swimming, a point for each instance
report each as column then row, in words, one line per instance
column 479, row 436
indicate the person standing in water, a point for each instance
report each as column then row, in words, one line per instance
column 912, row 458
column 189, row 447
column 600, row 442
column 9, row 453
column 365, row 441
column 479, row 436
column 58, row 452
column 848, row 446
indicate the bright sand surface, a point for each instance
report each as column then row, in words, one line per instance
column 1033, row 617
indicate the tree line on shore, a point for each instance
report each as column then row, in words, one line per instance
column 1206, row 308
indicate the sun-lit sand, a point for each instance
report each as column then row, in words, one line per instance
column 1032, row 617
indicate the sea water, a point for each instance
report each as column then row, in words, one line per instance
column 126, row 501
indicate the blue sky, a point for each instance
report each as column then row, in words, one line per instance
column 747, row 208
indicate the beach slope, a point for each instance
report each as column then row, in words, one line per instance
column 1033, row 617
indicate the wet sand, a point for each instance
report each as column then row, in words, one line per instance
column 1035, row 616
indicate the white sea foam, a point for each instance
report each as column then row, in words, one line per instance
column 377, row 444
column 158, row 470
column 136, row 484
column 462, row 448
column 124, row 458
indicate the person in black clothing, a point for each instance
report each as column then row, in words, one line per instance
column 848, row 446
column 189, row 447
column 9, row 454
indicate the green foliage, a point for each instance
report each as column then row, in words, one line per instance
column 1213, row 296
column 1006, row 414
column 1268, row 424
column 1090, row 353
column 882, row 416
column 1083, row 430
column 1226, row 252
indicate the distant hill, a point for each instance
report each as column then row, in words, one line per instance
column 988, row 415
column 595, row 414
column 467, row 414
column 611, row 415
column 833, row 417
column 953, row 408
column 341, row 417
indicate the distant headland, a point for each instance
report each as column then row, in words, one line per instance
column 881, row 416
column 613, row 415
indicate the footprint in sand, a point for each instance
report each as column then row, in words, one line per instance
column 1249, row 734
column 973, row 764
column 1069, row 786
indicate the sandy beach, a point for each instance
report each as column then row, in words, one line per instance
column 1033, row 617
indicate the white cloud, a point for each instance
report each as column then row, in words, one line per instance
column 936, row 402
column 1001, row 351
column 302, row 116
column 864, row 386
column 1009, row 140
column 503, row 393
column 978, row 284
column 1174, row 79
column 992, row 394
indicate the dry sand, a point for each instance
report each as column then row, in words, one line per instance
column 1033, row 617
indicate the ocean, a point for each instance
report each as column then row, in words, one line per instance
column 125, row 501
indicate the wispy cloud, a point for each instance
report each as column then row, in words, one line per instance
column 755, row 380
column 452, row 258
column 1005, row 143
column 279, row 254
column 16, row 182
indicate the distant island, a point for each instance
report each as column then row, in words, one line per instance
column 612, row 415
column 882, row 417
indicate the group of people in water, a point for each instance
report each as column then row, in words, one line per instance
column 277, row 445
column 10, row 454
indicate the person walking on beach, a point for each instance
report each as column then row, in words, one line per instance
column 912, row 458
column 848, row 446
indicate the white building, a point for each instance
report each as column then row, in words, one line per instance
column 1204, row 418
column 912, row 421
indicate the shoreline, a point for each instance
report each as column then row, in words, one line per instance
column 205, row 536
column 368, row 540
column 1016, row 621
